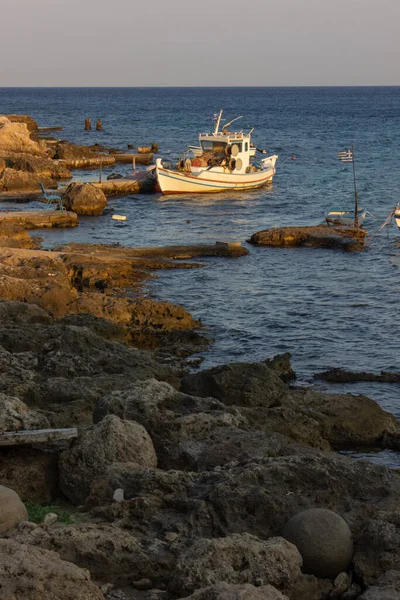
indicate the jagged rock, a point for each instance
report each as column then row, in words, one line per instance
column 315, row 236
column 28, row 573
column 27, row 119
column 242, row 384
column 112, row 440
column 386, row 588
column 109, row 552
column 42, row 167
column 376, row 549
column 226, row 591
column 236, row 559
column 323, row 539
column 15, row 137
column 22, row 312
column 282, row 365
column 12, row 180
column 12, row 510
column 65, row 150
column 31, row 472
column 84, row 199
column 15, row 415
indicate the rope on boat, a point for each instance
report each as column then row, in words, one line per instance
column 386, row 222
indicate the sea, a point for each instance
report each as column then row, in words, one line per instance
column 327, row 308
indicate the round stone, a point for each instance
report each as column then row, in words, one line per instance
column 323, row 539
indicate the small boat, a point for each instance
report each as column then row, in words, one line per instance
column 223, row 161
column 350, row 218
column 119, row 217
column 345, row 217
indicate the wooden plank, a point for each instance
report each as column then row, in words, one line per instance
column 37, row 436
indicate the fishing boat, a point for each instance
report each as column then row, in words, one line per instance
column 224, row 160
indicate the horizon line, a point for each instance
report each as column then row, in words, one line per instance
column 5, row 87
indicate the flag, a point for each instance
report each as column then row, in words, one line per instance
column 346, row 156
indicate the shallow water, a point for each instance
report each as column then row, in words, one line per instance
column 328, row 308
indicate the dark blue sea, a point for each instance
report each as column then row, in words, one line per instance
column 328, row 308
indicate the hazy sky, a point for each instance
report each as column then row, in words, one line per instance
column 199, row 42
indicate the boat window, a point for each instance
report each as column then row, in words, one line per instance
column 210, row 146
column 246, row 147
column 238, row 144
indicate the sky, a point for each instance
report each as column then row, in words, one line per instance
column 199, row 42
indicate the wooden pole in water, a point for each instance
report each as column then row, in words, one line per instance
column 355, row 192
column 100, row 173
column 88, row 126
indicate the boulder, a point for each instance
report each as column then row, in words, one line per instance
column 241, row 384
column 22, row 312
column 282, row 365
column 15, row 415
column 28, row 573
column 227, row 591
column 15, row 137
column 386, row 588
column 109, row 552
column 315, row 236
column 324, row 540
column 13, row 181
column 376, row 549
column 2, row 165
column 31, row 472
column 84, row 199
column 28, row 120
column 97, row 447
column 14, row 236
column 42, row 167
column 12, row 510
column 236, row 559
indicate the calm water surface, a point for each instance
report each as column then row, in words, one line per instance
column 329, row 309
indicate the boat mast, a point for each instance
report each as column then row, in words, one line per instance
column 218, row 121
column 355, row 192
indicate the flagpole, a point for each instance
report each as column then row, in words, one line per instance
column 355, row 191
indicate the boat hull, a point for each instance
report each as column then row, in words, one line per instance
column 209, row 181
column 338, row 217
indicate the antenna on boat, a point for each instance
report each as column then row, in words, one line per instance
column 230, row 122
column 348, row 156
column 218, row 119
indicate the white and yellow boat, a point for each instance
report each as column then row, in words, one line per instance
column 223, row 161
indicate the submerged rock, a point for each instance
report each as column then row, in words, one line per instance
column 315, row 236
column 323, row 539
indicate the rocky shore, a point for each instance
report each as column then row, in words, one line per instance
column 201, row 485
column 217, row 484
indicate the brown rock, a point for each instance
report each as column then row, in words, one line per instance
column 42, row 167
column 12, row 511
column 316, row 236
column 241, row 384
column 31, row 472
column 13, row 180
column 84, row 199
column 29, row 121
column 15, row 236
column 97, row 447
column 28, row 573
column 15, row 137
column 228, row 591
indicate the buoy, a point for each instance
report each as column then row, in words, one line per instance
column 293, row 157
column 119, row 217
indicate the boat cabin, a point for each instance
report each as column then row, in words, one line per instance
column 224, row 151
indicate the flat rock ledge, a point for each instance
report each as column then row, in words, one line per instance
column 313, row 236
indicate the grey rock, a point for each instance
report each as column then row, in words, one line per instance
column 236, row 559
column 324, row 540
column 111, row 441
column 227, row 591
column 12, row 510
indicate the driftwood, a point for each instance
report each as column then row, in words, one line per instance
column 37, row 436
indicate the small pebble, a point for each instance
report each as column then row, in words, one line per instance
column 171, row 536
column 50, row 518
column 106, row 588
column 26, row 525
column 143, row 584
column 119, row 495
